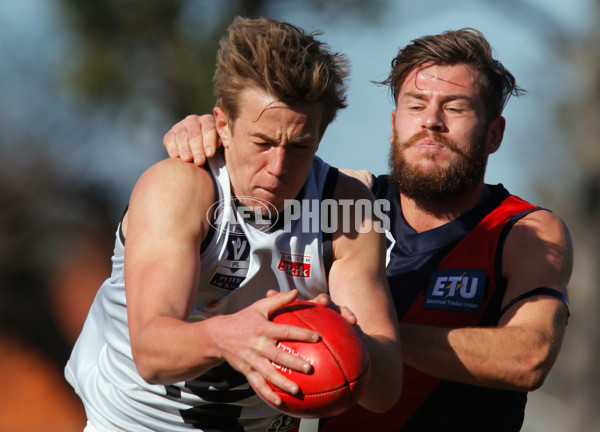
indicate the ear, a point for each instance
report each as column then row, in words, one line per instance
column 495, row 134
column 222, row 123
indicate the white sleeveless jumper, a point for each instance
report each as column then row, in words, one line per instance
column 240, row 262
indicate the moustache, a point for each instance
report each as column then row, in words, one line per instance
column 446, row 142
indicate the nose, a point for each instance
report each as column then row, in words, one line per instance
column 277, row 161
column 433, row 120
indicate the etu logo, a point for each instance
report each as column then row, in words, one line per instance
column 458, row 290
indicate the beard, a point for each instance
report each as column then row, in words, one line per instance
column 429, row 187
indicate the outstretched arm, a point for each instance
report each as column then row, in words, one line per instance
column 357, row 280
column 519, row 353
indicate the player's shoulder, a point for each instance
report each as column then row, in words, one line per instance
column 174, row 173
column 543, row 220
column 174, row 183
column 176, row 167
column 364, row 175
column 541, row 227
column 353, row 184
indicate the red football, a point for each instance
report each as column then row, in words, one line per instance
column 340, row 362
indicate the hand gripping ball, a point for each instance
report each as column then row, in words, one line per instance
column 340, row 362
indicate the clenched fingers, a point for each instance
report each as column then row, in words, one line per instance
column 204, row 143
column 193, row 138
column 169, row 140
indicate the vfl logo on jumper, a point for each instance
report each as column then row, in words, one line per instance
column 457, row 290
column 233, row 269
column 295, row 265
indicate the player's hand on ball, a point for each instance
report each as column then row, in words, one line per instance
column 247, row 340
column 325, row 300
column 347, row 314
column 340, row 360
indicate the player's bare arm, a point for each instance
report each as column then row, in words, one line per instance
column 358, row 281
column 538, row 254
column 161, row 276
column 519, row 353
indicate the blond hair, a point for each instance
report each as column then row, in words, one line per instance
column 282, row 60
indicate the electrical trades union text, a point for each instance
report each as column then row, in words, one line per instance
column 327, row 216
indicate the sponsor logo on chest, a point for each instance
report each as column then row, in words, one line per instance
column 294, row 265
column 456, row 290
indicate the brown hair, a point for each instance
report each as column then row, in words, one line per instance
column 284, row 61
column 466, row 46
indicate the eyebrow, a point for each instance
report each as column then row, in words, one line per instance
column 451, row 97
column 307, row 137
